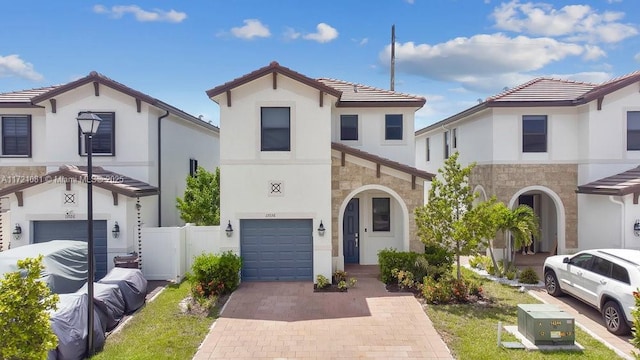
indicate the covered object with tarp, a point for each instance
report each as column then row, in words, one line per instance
column 70, row 323
column 132, row 284
column 64, row 261
column 109, row 303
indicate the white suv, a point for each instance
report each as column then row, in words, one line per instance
column 602, row 278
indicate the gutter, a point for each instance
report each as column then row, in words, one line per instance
column 622, row 236
column 160, row 167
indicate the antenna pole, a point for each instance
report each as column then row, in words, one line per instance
column 393, row 57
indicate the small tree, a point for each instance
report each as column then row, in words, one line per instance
column 201, row 202
column 25, row 302
column 448, row 219
column 522, row 223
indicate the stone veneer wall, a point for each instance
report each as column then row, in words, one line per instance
column 12, row 175
column 345, row 179
column 504, row 181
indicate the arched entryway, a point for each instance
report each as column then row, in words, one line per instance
column 371, row 218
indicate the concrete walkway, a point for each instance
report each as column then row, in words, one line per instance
column 287, row 320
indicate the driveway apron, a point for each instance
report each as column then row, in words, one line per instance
column 287, row 320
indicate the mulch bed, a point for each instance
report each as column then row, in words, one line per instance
column 329, row 288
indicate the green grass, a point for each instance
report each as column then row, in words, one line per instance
column 470, row 330
column 159, row 331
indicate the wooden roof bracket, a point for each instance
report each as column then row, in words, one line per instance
column 228, row 98
column 635, row 198
column 600, row 100
column 67, row 185
column 96, row 88
column 378, row 170
column 321, row 98
column 413, row 182
column 275, row 80
column 342, row 158
column 20, row 198
column 115, row 198
column 54, row 109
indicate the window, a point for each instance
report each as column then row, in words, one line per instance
column 619, row 273
column 104, row 139
column 633, row 130
column 534, row 133
column 582, row 260
column 275, row 133
column 16, row 135
column 393, row 127
column 601, row 266
column 428, row 145
column 193, row 167
column 381, row 214
column 454, row 138
column 348, row 127
column 446, row 144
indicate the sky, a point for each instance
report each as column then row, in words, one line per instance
column 453, row 52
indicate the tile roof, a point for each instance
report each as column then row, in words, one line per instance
column 544, row 89
column 352, row 93
column 102, row 178
column 35, row 96
column 382, row 161
column 620, row 184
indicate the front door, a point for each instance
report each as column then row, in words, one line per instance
column 350, row 232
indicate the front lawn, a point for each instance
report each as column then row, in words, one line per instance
column 159, row 331
column 470, row 330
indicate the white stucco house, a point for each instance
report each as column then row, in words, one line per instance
column 142, row 153
column 570, row 150
column 315, row 173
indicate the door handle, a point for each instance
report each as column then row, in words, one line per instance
column 603, row 282
column 356, row 239
column 579, row 273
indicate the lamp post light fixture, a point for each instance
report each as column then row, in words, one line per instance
column 229, row 229
column 116, row 230
column 321, row 229
column 88, row 123
column 17, row 232
column 636, row 228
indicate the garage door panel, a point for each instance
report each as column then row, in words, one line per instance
column 276, row 250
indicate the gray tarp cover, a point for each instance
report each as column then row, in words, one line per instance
column 65, row 263
column 132, row 284
column 69, row 323
column 109, row 302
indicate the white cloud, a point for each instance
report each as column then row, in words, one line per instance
column 252, row 28
column 410, row 1
column 324, row 33
column 484, row 63
column 291, row 34
column 575, row 22
column 13, row 65
column 141, row 15
column 363, row 41
column 593, row 52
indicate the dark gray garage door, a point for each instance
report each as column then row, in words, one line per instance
column 276, row 250
column 44, row 231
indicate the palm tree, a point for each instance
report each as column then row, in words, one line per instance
column 522, row 223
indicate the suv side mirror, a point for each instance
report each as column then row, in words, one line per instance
column 565, row 260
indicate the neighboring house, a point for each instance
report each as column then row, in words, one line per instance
column 315, row 173
column 568, row 149
column 142, row 153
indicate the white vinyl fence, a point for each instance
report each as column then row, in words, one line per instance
column 168, row 252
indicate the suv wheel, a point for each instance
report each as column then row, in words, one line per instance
column 551, row 283
column 614, row 319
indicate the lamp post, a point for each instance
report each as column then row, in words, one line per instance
column 89, row 123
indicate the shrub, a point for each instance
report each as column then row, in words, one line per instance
column 339, row 275
column 474, row 287
column 636, row 322
column 404, row 278
column 352, row 282
column 436, row 292
column 322, row 282
column 459, row 290
column 511, row 274
column 475, row 261
column 390, row 259
column 215, row 274
column 438, row 256
column 342, row 285
column 529, row 276
column 25, row 302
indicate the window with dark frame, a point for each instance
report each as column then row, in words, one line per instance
column 446, row 144
column 428, row 145
column 104, row 139
column 454, row 138
column 275, row 131
column 381, row 214
column 193, row 167
column 534, row 133
column 633, row 130
column 393, row 127
column 16, row 135
column 348, row 127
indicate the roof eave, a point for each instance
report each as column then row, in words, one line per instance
column 19, row 105
column 403, row 103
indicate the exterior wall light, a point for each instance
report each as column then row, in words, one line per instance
column 229, row 229
column 17, row 232
column 636, row 228
column 116, row 230
column 321, row 229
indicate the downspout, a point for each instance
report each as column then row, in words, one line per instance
column 623, row 237
column 160, row 167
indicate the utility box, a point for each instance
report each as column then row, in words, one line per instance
column 544, row 324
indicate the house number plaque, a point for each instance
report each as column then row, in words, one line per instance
column 270, row 215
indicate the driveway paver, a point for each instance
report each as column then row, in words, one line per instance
column 287, row 320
